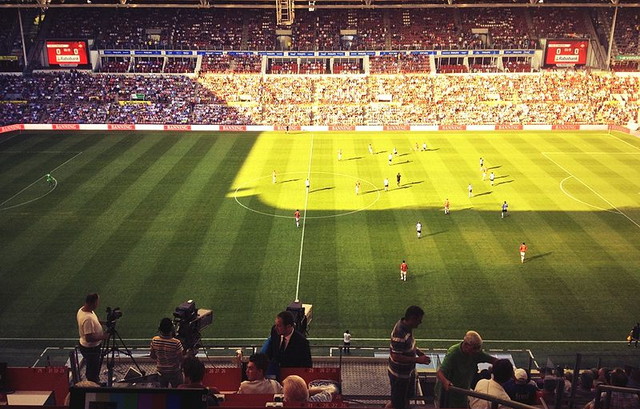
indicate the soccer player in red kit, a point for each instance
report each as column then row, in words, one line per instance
column 403, row 271
column 296, row 214
column 523, row 250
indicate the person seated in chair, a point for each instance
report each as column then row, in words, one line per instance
column 193, row 370
column 295, row 390
column 256, row 369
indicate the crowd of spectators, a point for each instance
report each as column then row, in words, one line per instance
column 326, row 29
column 627, row 32
column 428, row 29
column 559, row 23
column 507, row 28
column 400, row 64
column 321, row 29
column 576, row 97
column 116, row 64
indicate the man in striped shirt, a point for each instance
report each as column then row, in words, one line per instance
column 167, row 350
column 403, row 357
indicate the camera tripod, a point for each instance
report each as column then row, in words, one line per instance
column 109, row 350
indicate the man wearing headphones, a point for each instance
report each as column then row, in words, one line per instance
column 168, row 352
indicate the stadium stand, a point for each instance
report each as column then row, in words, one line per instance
column 549, row 98
column 559, row 23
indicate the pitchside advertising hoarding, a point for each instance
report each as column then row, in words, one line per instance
column 566, row 52
column 67, row 52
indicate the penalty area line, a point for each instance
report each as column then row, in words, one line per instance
column 36, row 181
column 592, row 190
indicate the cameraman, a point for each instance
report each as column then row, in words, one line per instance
column 91, row 336
column 167, row 350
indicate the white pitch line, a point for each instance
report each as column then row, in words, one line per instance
column 596, row 193
column 37, row 180
column 4, row 140
column 623, row 141
column 65, row 162
column 55, row 185
column 304, row 219
column 578, row 200
column 34, row 182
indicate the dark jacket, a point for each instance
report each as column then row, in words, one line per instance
column 296, row 355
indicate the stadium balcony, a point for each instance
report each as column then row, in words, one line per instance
column 566, row 381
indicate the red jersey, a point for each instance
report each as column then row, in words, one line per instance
column 296, row 214
column 523, row 248
column 404, row 267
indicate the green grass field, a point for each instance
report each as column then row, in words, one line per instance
column 150, row 220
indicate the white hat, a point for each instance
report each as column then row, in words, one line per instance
column 520, row 374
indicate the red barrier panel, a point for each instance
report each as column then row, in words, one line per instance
column 54, row 379
column 342, row 128
column 396, row 127
column 566, row 127
column 233, row 128
column 121, row 127
column 65, row 127
column 508, row 127
column 10, row 128
column 452, row 128
column 310, row 374
column 225, row 379
column 247, row 400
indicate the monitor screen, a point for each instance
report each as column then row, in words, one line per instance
column 137, row 398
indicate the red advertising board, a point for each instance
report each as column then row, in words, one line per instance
column 566, row 52
column 67, row 52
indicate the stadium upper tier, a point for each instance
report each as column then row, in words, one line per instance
column 353, row 29
column 377, row 29
column 548, row 98
column 317, row 3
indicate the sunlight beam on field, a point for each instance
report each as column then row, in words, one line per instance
column 578, row 179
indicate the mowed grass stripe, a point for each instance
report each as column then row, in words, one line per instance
column 134, row 210
column 43, row 223
column 22, row 178
column 257, row 268
column 166, row 252
column 66, row 250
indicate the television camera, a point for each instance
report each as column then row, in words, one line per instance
column 189, row 321
column 110, row 348
column 113, row 314
column 302, row 315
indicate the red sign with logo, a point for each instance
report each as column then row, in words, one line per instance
column 67, row 52
column 566, row 52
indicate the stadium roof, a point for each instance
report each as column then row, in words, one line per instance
column 318, row 4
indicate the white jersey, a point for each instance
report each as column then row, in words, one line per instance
column 418, row 227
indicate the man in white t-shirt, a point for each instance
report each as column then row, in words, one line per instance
column 346, row 342
column 502, row 371
column 91, row 336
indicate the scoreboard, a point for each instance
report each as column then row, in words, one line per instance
column 67, row 52
column 566, row 52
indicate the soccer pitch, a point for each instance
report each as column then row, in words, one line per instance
column 150, row 220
